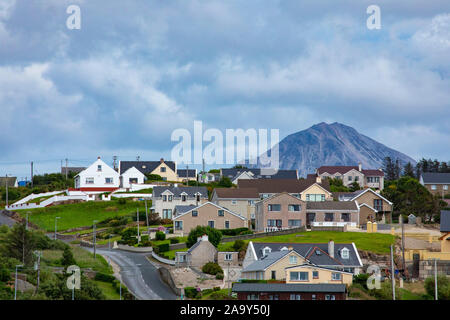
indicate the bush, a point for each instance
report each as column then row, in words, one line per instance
column 238, row 245
column 361, row 279
column 212, row 268
column 163, row 247
column 219, row 276
column 122, row 201
column 443, row 287
column 190, row 292
column 129, row 234
column 236, row 232
column 166, row 221
column 214, row 235
column 104, row 277
column 216, row 288
column 174, row 240
column 160, row 236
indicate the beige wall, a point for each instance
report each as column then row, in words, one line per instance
column 364, row 213
column 324, row 275
column 284, row 199
column 314, row 189
column 169, row 175
column 209, row 212
column 224, row 263
column 439, row 189
column 445, row 244
column 368, row 198
column 320, row 215
column 241, row 207
column 205, row 252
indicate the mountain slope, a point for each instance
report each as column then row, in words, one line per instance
column 333, row 144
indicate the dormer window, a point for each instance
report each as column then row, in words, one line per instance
column 197, row 196
column 284, row 249
column 266, row 251
column 170, row 197
column 143, row 167
column 220, row 212
column 345, row 253
column 183, row 197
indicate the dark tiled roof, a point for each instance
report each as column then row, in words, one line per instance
column 191, row 191
column 280, row 185
column 233, row 193
column 435, row 177
column 331, row 205
column 305, row 249
column 182, row 209
column 345, row 169
column 11, row 181
column 289, row 287
column 373, row 172
column 192, row 173
column 144, row 166
column 72, row 169
column 445, row 221
column 233, row 173
column 264, row 262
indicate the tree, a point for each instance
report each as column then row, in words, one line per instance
column 68, row 259
column 337, row 185
column 408, row 170
column 443, row 287
column 18, row 243
column 389, row 168
column 214, row 235
column 354, row 186
column 225, row 182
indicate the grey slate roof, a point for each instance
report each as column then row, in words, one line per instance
column 232, row 173
column 144, row 166
column 332, row 205
column 182, row 209
column 436, row 177
column 11, row 181
column 289, row 287
column 263, row 263
column 191, row 173
column 308, row 250
column 445, row 221
column 72, row 169
column 191, row 191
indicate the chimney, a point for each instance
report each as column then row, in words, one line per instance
column 290, row 248
column 318, row 179
column 204, row 237
column 360, row 167
column 161, row 160
column 98, row 157
column 331, row 248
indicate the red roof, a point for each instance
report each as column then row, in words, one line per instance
column 372, row 172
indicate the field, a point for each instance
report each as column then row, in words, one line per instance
column 79, row 214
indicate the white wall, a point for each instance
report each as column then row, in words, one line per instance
column 98, row 176
column 131, row 173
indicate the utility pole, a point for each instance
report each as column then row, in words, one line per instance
column 137, row 219
column 146, row 216
column 26, row 226
column 38, row 253
column 392, row 273
column 56, row 219
column 403, row 245
column 228, row 276
column 32, row 174
column 114, row 162
column 15, row 281
column 6, row 182
column 435, row 280
column 95, row 237
column 67, row 163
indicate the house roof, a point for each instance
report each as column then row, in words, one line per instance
column 355, row 195
column 306, row 249
column 436, row 177
column 345, row 169
column 191, row 173
column 233, row 173
column 72, row 169
column 445, row 221
column 210, row 203
column 306, row 265
column 177, row 191
column 332, row 205
column 144, row 166
column 233, row 193
column 183, row 209
column 281, row 185
column 10, row 180
column 290, row 287
column 266, row 261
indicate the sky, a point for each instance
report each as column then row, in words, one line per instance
column 137, row 70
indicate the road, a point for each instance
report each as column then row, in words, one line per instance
column 6, row 220
column 139, row 275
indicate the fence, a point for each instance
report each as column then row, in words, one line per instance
column 163, row 260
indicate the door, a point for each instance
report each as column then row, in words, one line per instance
column 310, row 217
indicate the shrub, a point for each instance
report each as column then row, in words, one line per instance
column 443, row 287
column 174, row 240
column 163, row 247
column 104, row 277
column 122, row 201
column 214, row 235
column 160, row 236
column 67, row 258
column 238, row 245
column 219, row 276
column 212, row 268
column 190, row 292
column 166, row 221
column 216, row 288
column 361, row 279
column 129, row 234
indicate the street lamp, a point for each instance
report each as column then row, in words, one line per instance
column 6, row 183
column 15, row 281
column 56, row 219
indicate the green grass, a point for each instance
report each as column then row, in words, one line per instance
column 40, row 199
column 105, row 241
column 148, row 190
column 79, row 214
column 374, row 242
column 207, row 296
column 171, row 254
column 108, row 290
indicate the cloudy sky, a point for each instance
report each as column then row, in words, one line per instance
column 137, row 70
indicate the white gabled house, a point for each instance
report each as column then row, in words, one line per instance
column 131, row 176
column 98, row 177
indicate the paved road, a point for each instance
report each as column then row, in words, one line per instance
column 139, row 275
column 6, row 220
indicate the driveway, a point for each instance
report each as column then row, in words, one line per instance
column 139, row 275
column 6, row 220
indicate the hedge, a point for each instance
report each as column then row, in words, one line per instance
column 163, row 247
column 104, row 277
column 212, row 268
column 236, row 232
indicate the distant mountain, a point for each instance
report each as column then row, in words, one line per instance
column 333, row 144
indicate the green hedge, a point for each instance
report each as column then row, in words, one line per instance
column 104, row 277
column 212, row 268
column 235, row 232
column 191, row 292
column 163, row 247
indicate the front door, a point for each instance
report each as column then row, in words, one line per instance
column 310, row 217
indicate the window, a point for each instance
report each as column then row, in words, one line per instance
column 170, row 197
column 329, row 216
column 227, row 224
column 253, row 297
column 164, row 197
column 295, row 223
column 167, row 213
column 274, row 207
column 315, row 197
column 345, row 217
column 89, row 180
column 211, row 224
column 356, row 178
column 251, row 203
column 433, row 187
column 298, row 276
column 178, row 225
column 163, row 169
column 295, row 296
column 220, row 213
column 273, row 297
column 266, row 251
column 315, row 274
column 197, row 196
column 445, row 187
column 133, row 180
column 274, row 223
column 313, row 297
column 274, row 274
column 350, row 178
column 183, row 198
column 228, row 256
column 330, row 297
column 99, row 167
column 108, row 180
column 294, row 207
column 378, row 204
column 293, row 259
column 233, row 202
column 335, row 276
column 345, row 253
column 194, row 213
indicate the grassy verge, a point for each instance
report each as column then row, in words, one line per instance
column 108, row 290
column 80, row 214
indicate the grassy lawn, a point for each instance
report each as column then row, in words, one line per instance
column 221, row 291
column 374, row 242
column 40, row 199
column 171, row 254
column 80, row 214
column 105, row 241
column 108, row 290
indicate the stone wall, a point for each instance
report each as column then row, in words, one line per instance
column 167, row 278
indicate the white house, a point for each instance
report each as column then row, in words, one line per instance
column 98, row 177
column 131, row 176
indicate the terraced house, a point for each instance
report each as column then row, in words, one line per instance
column 166, row 198
column 366, row 178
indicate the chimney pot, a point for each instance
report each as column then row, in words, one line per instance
column 360, row 166
column 98, row 157
column 331, row 248
column 161, row 160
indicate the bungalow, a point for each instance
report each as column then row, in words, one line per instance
column 436, row 183
column 366, row 178
column 206, row 214
column 97, row 178
column 167, row 170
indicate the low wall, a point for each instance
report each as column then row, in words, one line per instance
column 426, row 268
column 325, row 228
column 134, row 249
column 167, row 278
column 163, row 260
column 426, row 255
column 263, row 234
column 177, row 246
